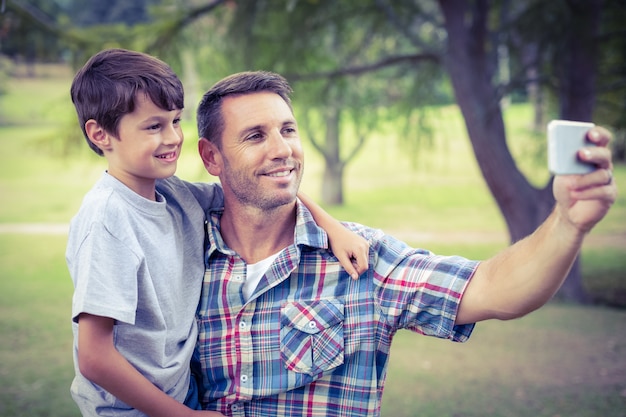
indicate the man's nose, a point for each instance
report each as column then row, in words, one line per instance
column 279, row 147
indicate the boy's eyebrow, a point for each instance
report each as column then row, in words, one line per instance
column 163, row 116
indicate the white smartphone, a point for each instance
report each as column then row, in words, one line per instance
column 565, row 139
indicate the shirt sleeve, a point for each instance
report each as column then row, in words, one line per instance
column 420, row 291
column 104, row 270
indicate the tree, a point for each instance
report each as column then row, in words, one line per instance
column 343, row 54
column 523, row 206
column 330, row 51
column 42, row 30
column 25, row 30
column 473, row 32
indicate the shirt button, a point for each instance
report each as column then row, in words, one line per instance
column 243, row 379
column 242, row 325
column 312, row 325
column 234, row 407
column 237, row 277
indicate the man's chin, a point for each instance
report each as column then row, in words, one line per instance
column 277, row 202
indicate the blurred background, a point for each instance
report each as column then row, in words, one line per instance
column 424, row 118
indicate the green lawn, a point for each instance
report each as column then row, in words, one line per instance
column 559, row 361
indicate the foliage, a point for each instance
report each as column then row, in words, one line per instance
column 537, row 37
column 41, row 30
column 356, row 64
column 26, row 30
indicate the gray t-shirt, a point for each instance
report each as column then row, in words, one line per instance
column 141, row 263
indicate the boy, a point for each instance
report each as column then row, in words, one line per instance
column 135, row 248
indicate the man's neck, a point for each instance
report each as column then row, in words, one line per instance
column 256, row 234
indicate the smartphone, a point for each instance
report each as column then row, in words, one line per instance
column 565, row 139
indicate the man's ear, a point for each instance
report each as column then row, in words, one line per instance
column 211, row 156
column 97, row 135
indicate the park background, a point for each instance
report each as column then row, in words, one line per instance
column 567, row 359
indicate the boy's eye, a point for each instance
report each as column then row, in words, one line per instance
column 154, row 127
column 177, row 121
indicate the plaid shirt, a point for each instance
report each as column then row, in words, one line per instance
column 311, row 341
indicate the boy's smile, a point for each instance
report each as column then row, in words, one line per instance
column 147, row 147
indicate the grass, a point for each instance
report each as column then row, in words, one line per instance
column 561, row 360
column 36, row 344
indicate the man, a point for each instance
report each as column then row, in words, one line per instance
column 282, row 333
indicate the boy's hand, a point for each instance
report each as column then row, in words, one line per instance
column 351, row 250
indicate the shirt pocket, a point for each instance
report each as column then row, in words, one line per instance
column 311, row 336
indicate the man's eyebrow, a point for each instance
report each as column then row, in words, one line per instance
column 262, row 127
column 251, row 129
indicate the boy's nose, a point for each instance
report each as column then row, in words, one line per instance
column 173, row 136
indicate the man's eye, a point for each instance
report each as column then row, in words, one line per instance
column 255, row 136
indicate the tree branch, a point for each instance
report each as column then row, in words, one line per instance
column 363, row 69
column 42, row 21
column 179, row 22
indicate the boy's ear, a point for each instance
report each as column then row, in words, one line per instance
column 211, row 156
column 97, row 135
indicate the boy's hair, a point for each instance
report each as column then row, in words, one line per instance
column 106, row 87
column 209, row 115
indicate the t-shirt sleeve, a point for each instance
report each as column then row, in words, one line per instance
column 208, row 195
column 105, row 272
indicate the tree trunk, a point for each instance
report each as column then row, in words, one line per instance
column 533, row 86
column 577, row 93
column 332, row 184
column 191, row 82
column 523, row 206
column 579, row 61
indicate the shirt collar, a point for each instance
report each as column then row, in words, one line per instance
column 307, row 232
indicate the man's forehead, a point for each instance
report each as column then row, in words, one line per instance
column 255, row 108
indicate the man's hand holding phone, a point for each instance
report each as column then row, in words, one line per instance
column 565, row 140
column 579, row 156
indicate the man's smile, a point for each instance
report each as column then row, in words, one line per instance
column 279, row 173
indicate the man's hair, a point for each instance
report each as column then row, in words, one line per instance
column 209, row 114
column 106, row 87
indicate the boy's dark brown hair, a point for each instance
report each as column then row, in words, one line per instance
column 106, row 87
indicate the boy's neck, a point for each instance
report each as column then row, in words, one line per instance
column 143, row 186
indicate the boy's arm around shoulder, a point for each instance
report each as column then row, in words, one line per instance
column 208, row 195
column 351, row 249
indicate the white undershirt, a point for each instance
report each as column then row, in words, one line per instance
column 254, row 274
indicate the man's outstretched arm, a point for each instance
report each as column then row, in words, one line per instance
column 526, row 275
